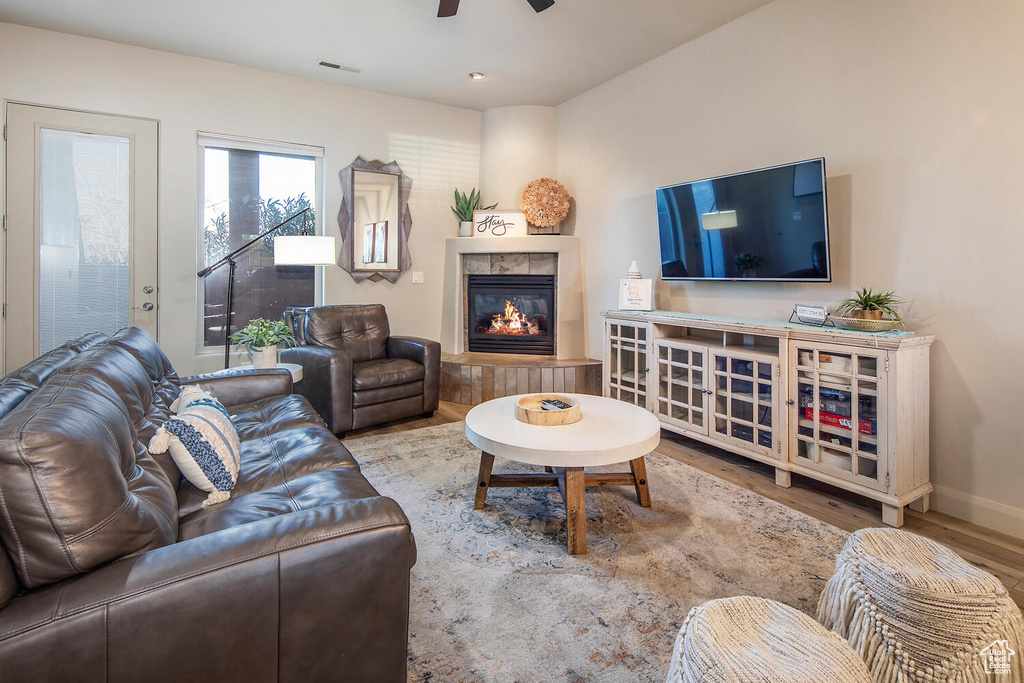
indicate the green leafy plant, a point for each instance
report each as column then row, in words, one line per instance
column 261, row 333
column 866, row 300
column 748, row 261
column 465, row 205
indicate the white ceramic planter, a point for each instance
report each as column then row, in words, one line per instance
column 466, row 229
column 265, row 358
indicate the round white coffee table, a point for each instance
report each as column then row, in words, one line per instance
column 610, row 432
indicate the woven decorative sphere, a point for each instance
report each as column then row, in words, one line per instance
column 545, row 202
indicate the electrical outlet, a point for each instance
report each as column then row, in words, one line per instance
column 417, row 277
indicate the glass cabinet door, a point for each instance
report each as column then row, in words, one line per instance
column 838, row 398
column 681, row 385
column 627, row 363
column 744, row 400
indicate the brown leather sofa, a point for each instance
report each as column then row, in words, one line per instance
column 355, row 373
column 111, row 569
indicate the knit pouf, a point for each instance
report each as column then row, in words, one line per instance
column 915, row 611
column 745, row 639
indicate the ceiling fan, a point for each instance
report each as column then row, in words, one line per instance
column 448, row 8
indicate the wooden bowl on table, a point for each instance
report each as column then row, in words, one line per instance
column 530, row 410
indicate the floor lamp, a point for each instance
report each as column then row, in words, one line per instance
column 300, row 250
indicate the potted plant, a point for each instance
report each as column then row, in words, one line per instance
column 261, row 338
column 748, row 263
column 464, row 208
column 868, row 305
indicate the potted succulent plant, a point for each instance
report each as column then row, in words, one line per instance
column 464, row 207
column 261, row 338
column 868, row 305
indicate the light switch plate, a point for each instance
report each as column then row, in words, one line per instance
column 417, row 277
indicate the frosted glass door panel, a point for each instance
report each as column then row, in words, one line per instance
column 84, row 235
column 81, row 251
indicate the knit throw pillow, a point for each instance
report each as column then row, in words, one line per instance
column 203, row 442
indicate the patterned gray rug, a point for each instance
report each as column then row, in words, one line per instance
column 495, row 597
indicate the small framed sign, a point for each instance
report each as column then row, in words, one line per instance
column 810, row 315
column 635, row 295
column 499, row 224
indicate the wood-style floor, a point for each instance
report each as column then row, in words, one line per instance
column 995, row 552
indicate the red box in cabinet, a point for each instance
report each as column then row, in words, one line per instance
column 863, row 426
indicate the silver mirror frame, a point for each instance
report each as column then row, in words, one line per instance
column 346, row 220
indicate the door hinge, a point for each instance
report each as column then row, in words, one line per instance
column 778, row 445
column 778, row 371
column 5, row 132
column 5, row 311
column 5, row 222
column 886, row 480
column 887, row 363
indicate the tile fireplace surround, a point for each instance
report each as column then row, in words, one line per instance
column 553, row 254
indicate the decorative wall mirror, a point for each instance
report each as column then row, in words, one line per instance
column 375, row 221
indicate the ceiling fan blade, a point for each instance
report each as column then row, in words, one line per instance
column 448, row 8
column 540, row 5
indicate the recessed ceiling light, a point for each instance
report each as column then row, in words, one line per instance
column 476, row 75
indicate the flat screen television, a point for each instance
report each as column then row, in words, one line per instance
column 765, row 225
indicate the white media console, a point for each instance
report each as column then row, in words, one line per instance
column 848, row 408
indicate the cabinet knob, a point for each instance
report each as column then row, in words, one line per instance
column 791, row 402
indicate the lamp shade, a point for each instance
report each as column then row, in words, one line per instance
column 718, row 220
column 302, row 250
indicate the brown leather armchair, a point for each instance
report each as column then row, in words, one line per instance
column 355, row 373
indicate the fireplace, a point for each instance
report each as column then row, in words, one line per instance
column 511, row 314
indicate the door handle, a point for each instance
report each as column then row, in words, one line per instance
column 148, row 306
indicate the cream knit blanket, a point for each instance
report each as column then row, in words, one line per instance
column 915, row 611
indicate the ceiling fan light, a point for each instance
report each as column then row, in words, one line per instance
column 477, row 75
column 540, row 5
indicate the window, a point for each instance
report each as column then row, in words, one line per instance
column 248, row 187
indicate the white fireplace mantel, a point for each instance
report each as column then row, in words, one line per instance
column 570, row 327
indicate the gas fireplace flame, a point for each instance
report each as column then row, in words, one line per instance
column 511, row 321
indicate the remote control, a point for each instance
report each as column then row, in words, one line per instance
column 554, row 404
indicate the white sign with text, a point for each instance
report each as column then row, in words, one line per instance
column 499, row 224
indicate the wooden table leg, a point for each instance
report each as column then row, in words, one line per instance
column 484, row 480
column 639, row 469
column 575, row 511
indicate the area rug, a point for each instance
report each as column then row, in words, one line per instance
column 495, row 596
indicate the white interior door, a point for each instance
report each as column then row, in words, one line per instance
column 81, row 239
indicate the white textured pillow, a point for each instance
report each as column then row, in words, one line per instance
column 203, row 443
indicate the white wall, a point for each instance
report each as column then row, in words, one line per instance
column 917, row 108
column 517, row 147
column 437, row 146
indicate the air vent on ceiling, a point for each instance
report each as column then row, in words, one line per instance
column 332, row 65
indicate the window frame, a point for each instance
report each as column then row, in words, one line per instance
column 222, row 141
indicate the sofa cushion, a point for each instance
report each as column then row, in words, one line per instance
column 360, row 331
column 283, row 439
column 157, row 365
column 29, row 377
column 78, row 489
column 135, row 367
column 304, row 493
column 203, row 442
column 273, row 414
column 386, row 372
column 15, row 388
